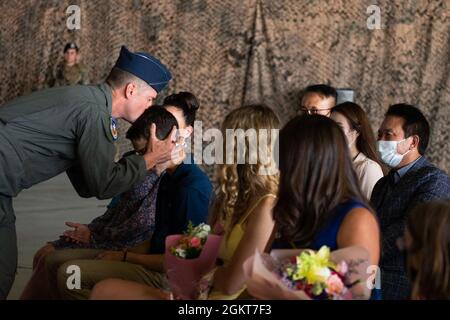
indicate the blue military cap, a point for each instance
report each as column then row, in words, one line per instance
column 145, row 67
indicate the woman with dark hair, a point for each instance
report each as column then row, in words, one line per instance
column 427, row 244
column 361, row 142
column 319, row 198
column 183, row 105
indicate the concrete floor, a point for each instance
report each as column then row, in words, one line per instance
column 41, row 213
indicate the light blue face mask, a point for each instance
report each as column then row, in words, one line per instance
column 388, row 152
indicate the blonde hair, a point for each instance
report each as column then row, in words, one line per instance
column 429, row 228
column 241, row 185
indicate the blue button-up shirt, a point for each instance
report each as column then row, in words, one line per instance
column 183, row 196
column 403, row 170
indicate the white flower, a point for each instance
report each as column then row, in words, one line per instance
column 203, row 234
column 181, row 252
column 206, row 228
column 322, row 273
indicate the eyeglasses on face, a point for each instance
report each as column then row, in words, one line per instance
column 314, row 110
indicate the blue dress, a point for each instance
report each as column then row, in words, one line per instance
column 327, row 235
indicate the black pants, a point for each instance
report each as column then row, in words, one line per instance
column 8, row 246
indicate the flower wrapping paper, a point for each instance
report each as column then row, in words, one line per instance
column 263, row 283
column 184, row 275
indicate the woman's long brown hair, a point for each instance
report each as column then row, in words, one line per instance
column 429, row 228
column 359, row 122
column 316, row 175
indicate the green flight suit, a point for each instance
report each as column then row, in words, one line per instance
column 47, row 133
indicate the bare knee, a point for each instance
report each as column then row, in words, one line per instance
column 103, row 289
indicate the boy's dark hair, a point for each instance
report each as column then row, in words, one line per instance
column 185, row 101
column 415, row 123
column 162, row 118
column 322, row 90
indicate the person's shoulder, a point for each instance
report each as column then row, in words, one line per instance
column 359, row 226
column 359, row 217
column 193, row 177
column 92, row 97
column 371, row 163
column 59, row 68
column 74, row 92
column 193, row 173
column 60, row 65
column 83, row 104
column 380, row 183
column 429, row 171
column 428, row 181
column 81, row 66
column 348, row 205
column 360, row 214
column 64, row 96
column 371, row 167
column 266, row 201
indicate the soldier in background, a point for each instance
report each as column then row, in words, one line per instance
column 70, row 71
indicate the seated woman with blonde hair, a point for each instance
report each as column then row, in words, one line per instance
column 245, row 197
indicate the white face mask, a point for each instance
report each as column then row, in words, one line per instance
column 388, row 152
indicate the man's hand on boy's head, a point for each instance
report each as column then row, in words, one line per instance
column 159, row 151
column 81, row 232
column 178, row 156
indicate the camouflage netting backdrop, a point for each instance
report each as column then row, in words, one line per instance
column 231, row 52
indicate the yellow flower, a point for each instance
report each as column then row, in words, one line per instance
column 313, row 266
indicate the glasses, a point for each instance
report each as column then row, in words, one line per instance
column 314, row 110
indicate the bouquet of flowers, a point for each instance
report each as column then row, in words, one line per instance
column 190, row 245
column 188, row 257
column 305, row 274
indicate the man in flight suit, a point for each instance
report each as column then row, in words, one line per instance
column 73, row 129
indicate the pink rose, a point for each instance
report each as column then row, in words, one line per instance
column 195, row 242
column 334, row 285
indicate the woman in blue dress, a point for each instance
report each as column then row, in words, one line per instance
column 319, row 198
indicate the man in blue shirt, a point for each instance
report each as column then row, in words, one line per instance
column 183, row 196
column 402, row 142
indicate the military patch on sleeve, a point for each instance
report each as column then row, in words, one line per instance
column 114, row 133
